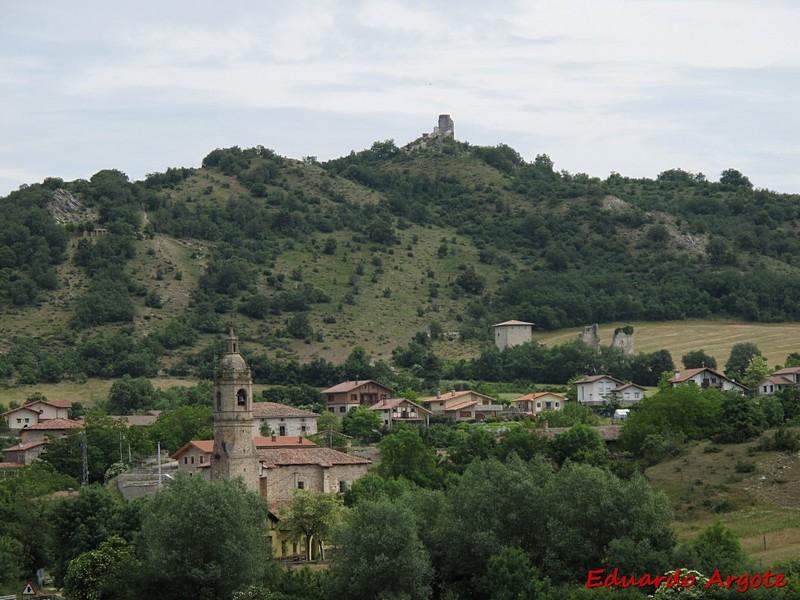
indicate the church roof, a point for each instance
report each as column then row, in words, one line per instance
column 324, row 457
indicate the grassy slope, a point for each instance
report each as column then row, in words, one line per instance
column 762, row 508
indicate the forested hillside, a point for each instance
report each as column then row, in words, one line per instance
column 311, row 260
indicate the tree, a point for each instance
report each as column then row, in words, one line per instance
column 580, row 443
column 734, row 178
column 102, row 574
column 742, row 418
column 11, row 551
column 203, row 539
column 379, row 555
column 404, row 454
column 756, row 370
column 521, row 441
column 716, row 547
column 470, row 281
column 312, row 517
column 179, row 425
column 697, row 359
column 129, row 394
column 363, row 424
column 740, row 357
column 511, row 576
column 81, row 524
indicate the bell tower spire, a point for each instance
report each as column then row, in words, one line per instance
column 234, row 450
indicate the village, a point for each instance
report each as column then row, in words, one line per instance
column 268, row 445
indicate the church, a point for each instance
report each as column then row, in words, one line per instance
column 274, row 466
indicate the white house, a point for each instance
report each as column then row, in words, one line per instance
column 596, row 389
column 35, row 412
column 705, row 378
column 630, row 393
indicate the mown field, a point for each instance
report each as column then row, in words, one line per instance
column 775, row 340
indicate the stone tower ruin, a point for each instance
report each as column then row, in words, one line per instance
column 446, row 128
column 234, row 450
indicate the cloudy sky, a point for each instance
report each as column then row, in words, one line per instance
column 632, row 86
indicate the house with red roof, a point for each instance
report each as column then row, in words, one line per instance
column 596, row 389
column 401, row 410
column 34, row 439
column 344, row 396
column 464, row 405
column 706, row 378
column 34, row 412
column 533, row 404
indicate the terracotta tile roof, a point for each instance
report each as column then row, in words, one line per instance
column 206, row 446
column 688, row 374
column 27, row 446
column 461, row 405
column 346, row 386
column 628, row 385
column 11, row 465
column 54, row 424
column 512, row 323
column 777, row 380
column 592, row 378
column 283, row 441
column 324, row 457
column 32, row 406
column 268, row 410
column 450, row 395
column 787, row 371
column 394, row 402
column 536, row 395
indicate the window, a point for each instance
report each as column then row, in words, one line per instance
column 282, row 430
column 548, row 404
column 558, row 404
column 19, row 420
column 301, row 485
column 241, row 397
column 186, row 460
column 303, row 428
column 193, row 460
column 202, row 459
column 219, row 400
column 342, row 486
column 342, row 409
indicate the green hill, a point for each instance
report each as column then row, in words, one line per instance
column 312, row 259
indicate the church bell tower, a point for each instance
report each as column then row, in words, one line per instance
column 234, row 450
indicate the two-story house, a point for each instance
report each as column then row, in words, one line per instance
column 596, row 389
column 630, row 393
column 705, row 378
column 779, row 380
column 401, row 410
column 344, row 396
column 283, row 420
column 34, row 412
column 34, row 439
column 464, row 405
column 533, row 404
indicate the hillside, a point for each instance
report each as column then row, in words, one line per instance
column 312, row 259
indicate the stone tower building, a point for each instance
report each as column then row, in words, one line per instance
column 446, row 127
column 234, row 450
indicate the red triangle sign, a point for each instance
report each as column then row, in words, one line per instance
column 29, row 591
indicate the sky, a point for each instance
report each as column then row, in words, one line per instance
column 600, row 86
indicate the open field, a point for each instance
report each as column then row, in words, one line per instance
column 88, row 393
column 775, row 340
column 762, row 507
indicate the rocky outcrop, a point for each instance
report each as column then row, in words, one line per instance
column 66, row 208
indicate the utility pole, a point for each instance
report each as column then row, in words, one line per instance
column 85, row 461
column 159, row 464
